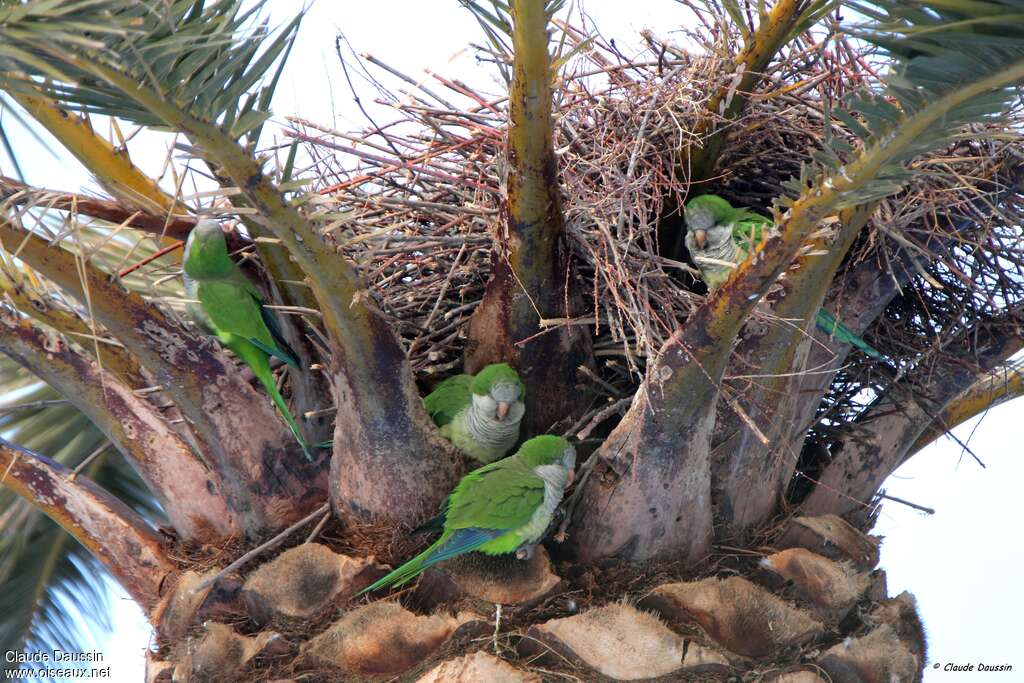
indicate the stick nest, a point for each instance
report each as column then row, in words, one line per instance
column 417, row 203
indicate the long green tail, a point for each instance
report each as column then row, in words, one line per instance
column 258, row 361
column 449, row 545
column 828, row 324
column 406, row 572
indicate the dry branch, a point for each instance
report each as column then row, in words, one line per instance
column 117, row 212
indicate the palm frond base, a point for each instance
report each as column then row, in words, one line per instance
column 794, row 615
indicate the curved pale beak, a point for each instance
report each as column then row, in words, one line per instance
column 701, row 238
column 503, row 408
column 572, row 477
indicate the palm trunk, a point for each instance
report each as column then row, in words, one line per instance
column 527, row 315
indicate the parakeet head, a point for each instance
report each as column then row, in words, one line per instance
column 498, row 392
column 206, row 251
column 548, row 450
column 708, row 222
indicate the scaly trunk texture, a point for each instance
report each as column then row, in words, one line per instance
column 813, row 609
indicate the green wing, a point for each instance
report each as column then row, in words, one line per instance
column 448, row 398
column 282, row 349
column 502, row 495
column 749, row 227
column 232, row 309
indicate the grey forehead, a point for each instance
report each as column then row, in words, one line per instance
column 699, row 218
column 505, row 391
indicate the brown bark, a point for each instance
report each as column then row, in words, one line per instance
column 888, row 430
column 389, row 460
column 189, row 494
column 114, row 534
column 650, row 493
column 114, row 359
column 236, row 430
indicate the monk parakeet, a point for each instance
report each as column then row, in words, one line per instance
column 231, row 308
column 480, row 413
column 717, row 231
column 501, row 508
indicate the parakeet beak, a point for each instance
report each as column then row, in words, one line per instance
column 502, row 410
column 701, row 238
column 572, row 478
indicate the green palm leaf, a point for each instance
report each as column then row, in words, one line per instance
column 203, row 58
column 950, row 68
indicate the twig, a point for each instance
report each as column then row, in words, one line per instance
column 88, row 459
column 240, row 562
column 33, row 404
column 318, row 528
column 922, row 508
column 577, row 493
column 416, row 84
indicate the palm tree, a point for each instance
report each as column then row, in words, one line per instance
column 735, row 454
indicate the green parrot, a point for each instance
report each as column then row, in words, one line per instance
column 480, row 413
column 231, row 308
column 500, row 508
column 717, row 230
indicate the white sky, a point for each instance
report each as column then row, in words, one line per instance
column 963, row 563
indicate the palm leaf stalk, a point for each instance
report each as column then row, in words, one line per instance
column 119, row 538
column 149, row 68
column 527, row 313
column 188, row 370
column 989, row 390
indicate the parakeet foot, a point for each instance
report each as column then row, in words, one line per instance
column 525, row 552
column 555, row 524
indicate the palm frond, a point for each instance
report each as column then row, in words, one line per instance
column 495, row 18
column 945, row 75
column 205, row 58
